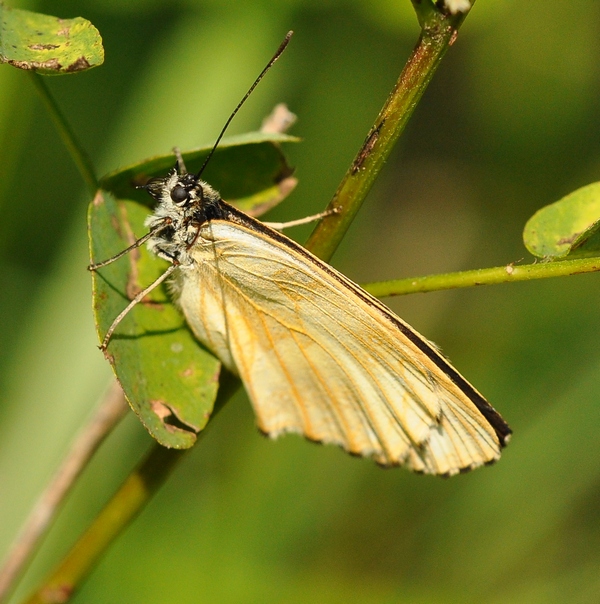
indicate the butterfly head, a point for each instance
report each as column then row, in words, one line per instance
column 183, row 198
column 185, row 202
column 180, row 191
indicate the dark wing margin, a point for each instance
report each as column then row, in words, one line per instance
column 495, row 420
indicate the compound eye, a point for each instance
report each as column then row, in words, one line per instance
column 179, row 195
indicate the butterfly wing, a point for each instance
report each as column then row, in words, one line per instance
column 321, row 357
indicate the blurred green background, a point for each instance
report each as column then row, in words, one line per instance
column 510, row 123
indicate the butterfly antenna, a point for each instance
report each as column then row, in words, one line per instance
column 277, row 54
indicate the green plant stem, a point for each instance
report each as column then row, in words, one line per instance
column 438, row 33
column 424, row 10
column 483, row 276
column 137, row 490
column 80, row 157
column 110, row 411
column 127, row 502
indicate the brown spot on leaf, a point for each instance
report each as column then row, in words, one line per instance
column 98, row 199
column 44, row 46
column 133, row 288
column 139, row 180
column 160, row 409
column 65, row 31
column 51, row 65
column 116, row 225
column 79, row 64
column 569, row 240
column 57, row 593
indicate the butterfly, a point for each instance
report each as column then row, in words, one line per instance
column 317, row 354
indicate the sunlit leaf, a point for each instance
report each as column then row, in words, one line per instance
column 46, row 44
column 568, row 227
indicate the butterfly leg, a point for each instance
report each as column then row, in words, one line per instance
column 135, row 301
column 279, row 226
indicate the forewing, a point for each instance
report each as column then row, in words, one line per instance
column 321, row 357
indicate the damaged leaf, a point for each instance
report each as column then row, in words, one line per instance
column 568, row 227
column 46, row 44
column 170, row 380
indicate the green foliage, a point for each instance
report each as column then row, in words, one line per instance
column 566, row 227
column 46, row 44
column 255, row 158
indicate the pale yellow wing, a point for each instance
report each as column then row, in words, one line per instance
column 320, row 356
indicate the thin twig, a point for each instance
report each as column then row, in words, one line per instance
column 127, row 502
column 280, row 120
column 135, row 492
column 438, row 33
column 483, row 276
column 110, row 410
column 77, row 152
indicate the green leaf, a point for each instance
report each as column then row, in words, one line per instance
column 568, row 227
column 170, row 380
column 249, row 171
column 47, row 44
